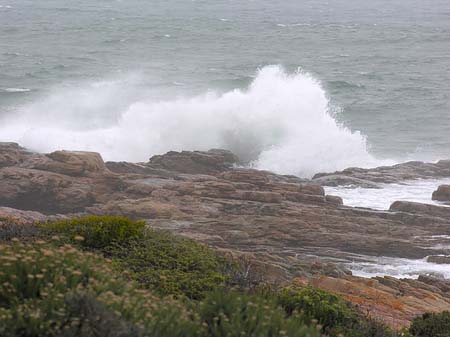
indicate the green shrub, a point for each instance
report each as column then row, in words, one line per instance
column 334, row 315
column 48, row 291
column 431, row 325
column 230, row 314
column 97, row 232
column 171, row 265
column 162, row 262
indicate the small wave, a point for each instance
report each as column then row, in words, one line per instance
column 16, row 90
column 382, row 198
column 398, row 267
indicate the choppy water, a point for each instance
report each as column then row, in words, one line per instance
column 101, row 75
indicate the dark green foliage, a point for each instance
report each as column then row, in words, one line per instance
column 431, row 325
column 162, row 262
column 56, row 290
column 60, row 291
column 97, row 232
column 334, row 315
column 235, row 314
column 171, row 265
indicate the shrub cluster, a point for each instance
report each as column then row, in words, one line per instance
column 160, row 261
column 60, row 291
column 334, row 315
column 104, row 276
column 431, row 325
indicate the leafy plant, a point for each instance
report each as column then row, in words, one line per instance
column 171, row 265
column 227, row 314
column 51, row 291
column 431, row 325
column 97, row 232
column 332, row 313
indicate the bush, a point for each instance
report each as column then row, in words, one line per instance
column 171, row 265
column 229, row 314
column 334, row 315
column 162, row 262
column 97, row 232
column 431, row 325
column 48, row 291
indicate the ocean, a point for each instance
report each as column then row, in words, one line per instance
column 297, row 87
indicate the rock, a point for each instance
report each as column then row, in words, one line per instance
column 12, row 154
column 195, row 162
column 442, row 193
column 393, row 301
column 332, row 199
column 285, row 223
column 42, row 191
column 418, row 208
column 439, row 259
column 78, row 164
column 372, row 178
column 142, row 208
column 21, row 217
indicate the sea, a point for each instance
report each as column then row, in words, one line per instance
column 295, row 87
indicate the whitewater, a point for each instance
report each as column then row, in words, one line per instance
column 282, row 122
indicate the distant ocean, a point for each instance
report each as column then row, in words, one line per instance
column 292, row 86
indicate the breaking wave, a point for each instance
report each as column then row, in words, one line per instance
column 282, row 122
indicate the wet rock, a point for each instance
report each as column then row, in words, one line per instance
column 418, row 208
column 42, row 191
column 372, row 178
column 71, row 163
column 198, row 162
column 442, row 193
column 332, row 199
column 439, row 259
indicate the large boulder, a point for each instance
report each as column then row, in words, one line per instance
column 418, row 208
column 442, row 193
column 12, row 154
column 42, row 191
column 195, row 162
column 72, row 163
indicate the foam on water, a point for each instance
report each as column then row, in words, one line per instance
column 281, row 122
column 419, row 190
column 398, row 267
column 16, row 90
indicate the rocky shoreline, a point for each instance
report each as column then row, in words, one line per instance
column 288, row 227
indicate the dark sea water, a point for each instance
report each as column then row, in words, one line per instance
column 293, row 86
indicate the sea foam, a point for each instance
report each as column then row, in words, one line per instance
column 282, row 122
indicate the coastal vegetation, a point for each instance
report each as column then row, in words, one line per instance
column 112, row 276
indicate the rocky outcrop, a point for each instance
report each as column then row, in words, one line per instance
column 442, row 193
column 394, row 301
column 197, row 162
column 418, row 208
column 287, row 224
column 371, row 178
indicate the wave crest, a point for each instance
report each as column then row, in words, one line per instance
column 281, row 122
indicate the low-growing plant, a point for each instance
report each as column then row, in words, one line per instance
column 431, row 325
column 158, row 260
column 96, row 232
column 171, row 265
column 51, row 291
column 227, row 314
column 334, row 315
